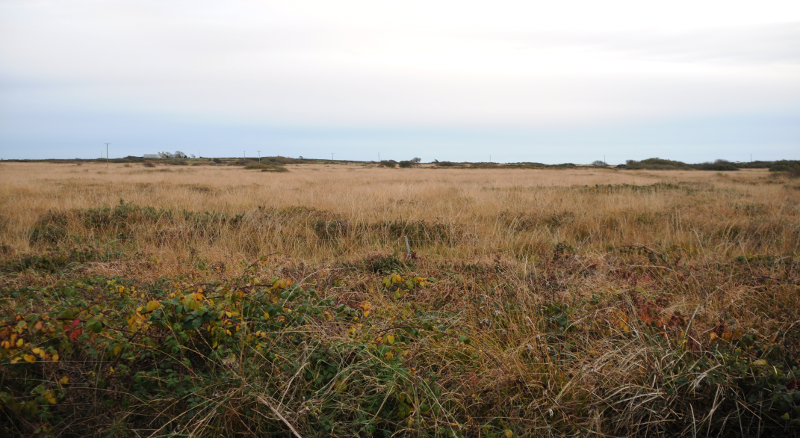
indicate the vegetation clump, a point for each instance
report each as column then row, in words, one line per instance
column 791, row 168
column 388, row 163
column 527, row 303
column 656, row 164
column 264, row 167
column 719, row 165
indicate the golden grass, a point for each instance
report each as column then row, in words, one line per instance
column 596, row 301
column 511, row 211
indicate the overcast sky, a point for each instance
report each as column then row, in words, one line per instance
column 565, row 81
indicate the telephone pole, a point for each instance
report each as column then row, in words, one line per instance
column 331, row 156
column 107, row 154
column 259, row 157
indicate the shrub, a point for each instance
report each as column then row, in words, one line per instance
column 717, row 165
column 792, row 168
column 388, row 163
column 445, row 163
column 148, row 164
column 656, row 164
column 406, row 164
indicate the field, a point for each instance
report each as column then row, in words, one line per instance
column 213, row 300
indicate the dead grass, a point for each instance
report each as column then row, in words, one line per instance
column 566, row 302
column 511, row 211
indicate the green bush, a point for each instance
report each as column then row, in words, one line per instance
column 265, row 167
column 719, row 165
column 656, row 164
column 792, row 168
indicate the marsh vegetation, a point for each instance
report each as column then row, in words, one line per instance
column 220, row 300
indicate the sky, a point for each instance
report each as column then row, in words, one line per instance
column 511, row 81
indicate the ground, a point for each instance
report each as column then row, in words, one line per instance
column 214, row 300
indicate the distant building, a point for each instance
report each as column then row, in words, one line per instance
column 151, row 157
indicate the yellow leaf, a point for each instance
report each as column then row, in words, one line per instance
column 390, row 339
column 16, row 359
column 389, row 356
column 39, row 352
column 117, row 350
column 713, row 336
column 55, row 357
column 760, row 362
column 152, row 305
column 20, row 342
column 29, row 358
column 64, row 380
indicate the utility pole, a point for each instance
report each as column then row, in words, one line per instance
column 331, row 156
column 107, row 154
column 379, row 157
column 259, row 157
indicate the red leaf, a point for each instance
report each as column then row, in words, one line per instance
column 75, row 323
column 74, row 335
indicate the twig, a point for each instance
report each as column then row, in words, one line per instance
column 264, row 400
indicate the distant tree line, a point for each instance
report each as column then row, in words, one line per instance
column 719, row 165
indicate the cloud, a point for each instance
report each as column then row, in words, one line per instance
column 749, row 45
column 410, row 65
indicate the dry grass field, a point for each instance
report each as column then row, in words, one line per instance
column 212, row 300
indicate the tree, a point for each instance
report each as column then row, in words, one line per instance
column 599, row 163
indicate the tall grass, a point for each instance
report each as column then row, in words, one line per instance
column 218, row 301
column 483, row 211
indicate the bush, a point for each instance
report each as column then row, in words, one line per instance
column 388, row 163
column 791, row 167
column 280, row 160
column 148, row 164
column 656, row 164
column 445, row 163
column 406, row 164
column 265, row 167
column 717, row 165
